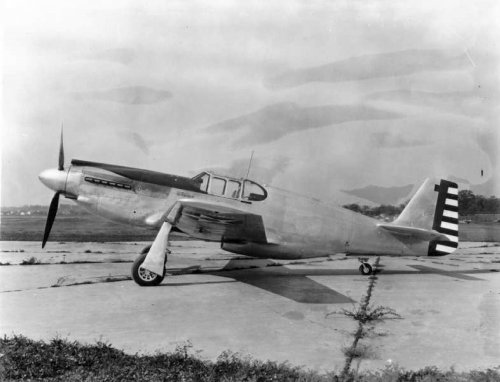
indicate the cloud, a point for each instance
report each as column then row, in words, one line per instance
column 381, row 65
column 214, row 63
column 135, row 139
column 139, row 142
column 122, row 56
column 472, row 104
column 134, row 95
column 456, row 179
column 468, row 103
column 278, row 120
column 392, row 141
column 488, row 140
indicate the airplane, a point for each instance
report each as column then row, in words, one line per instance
column 249, row 218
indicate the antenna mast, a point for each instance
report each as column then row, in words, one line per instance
column 249, row 164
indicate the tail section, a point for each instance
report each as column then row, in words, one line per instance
column 434, row 208
column 445, row 219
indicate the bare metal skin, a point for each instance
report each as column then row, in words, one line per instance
column 251, row 219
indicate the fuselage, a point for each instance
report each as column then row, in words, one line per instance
column 295, row 226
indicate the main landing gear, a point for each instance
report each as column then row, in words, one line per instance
column 365, row 268
column 149, row 268
column 141, row 275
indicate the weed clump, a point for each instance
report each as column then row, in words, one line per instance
column 30, row 261
column 359, row 351
column 370, row 314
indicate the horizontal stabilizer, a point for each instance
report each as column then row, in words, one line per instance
column 433, row 210
column 417, row 233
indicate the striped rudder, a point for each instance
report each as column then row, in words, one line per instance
column 445, row 219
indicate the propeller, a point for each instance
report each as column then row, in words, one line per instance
column 47, row 177
column 60, row 166
column 54, row 205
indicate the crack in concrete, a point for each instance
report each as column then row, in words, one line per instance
column 60, row 284
column 365, row 301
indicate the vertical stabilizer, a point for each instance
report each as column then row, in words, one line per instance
column 434, row 207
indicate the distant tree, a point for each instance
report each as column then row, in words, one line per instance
column 384, row 209
column 353, row 207
column 466, row 202
column 492, row 205
column 365, row 210
column 470, row 204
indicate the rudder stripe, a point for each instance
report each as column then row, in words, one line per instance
column 445, row 218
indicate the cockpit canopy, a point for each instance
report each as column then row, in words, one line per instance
column 241, row 189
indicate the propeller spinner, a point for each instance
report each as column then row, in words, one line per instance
column 55, row 179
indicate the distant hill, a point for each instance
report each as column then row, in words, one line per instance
column 383, row 195
column 489, row 188
column 397, row 195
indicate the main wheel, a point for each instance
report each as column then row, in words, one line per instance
column 365, row 269
column 142, row 276
column 145, row 250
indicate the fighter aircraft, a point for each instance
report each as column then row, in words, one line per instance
column 249, row 218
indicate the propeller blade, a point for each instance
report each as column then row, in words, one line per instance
column 61, row 153
column 54, row 204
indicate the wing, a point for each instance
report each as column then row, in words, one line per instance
column 216, row 222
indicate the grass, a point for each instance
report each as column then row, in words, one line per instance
column 427, row 374
column 74, row 228
column 63, row 360
column 479, row 232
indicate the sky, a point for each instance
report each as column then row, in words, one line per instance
column 329, row 95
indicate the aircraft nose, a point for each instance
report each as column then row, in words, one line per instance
column 53, row 179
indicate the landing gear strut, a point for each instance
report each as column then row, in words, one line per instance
column 365, row 268
column 149, row 268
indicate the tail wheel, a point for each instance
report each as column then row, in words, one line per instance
column 365, row 269
column 142, row 276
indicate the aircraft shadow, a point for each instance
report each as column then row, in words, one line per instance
column 295, row 284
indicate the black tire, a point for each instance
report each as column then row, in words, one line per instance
column 365, row 269
column 144, row 277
